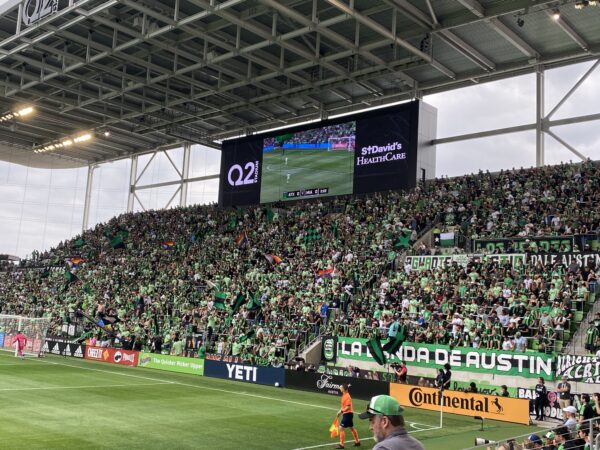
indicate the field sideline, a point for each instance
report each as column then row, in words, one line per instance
column 55, row 402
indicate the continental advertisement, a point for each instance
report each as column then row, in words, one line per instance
column 172, row 363
column 490, row 407
column 529, row 364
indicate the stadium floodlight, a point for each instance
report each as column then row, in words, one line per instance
column 556, row 14
column 64, row 143
column 17, row 114
column 34, row 329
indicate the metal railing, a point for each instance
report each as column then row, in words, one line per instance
column 548, row 437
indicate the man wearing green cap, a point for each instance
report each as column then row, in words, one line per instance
column 387, row 424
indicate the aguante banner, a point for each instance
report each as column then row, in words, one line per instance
column 112, row 355
column 530, row 364
column 493, row 407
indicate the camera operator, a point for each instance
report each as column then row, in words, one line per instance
column 401, row 372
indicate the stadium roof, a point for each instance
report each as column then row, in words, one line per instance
column 159, row 73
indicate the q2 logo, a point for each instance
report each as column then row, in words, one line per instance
column 238, row 175
column 35, row 10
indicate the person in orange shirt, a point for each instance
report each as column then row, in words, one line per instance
column 347, row 417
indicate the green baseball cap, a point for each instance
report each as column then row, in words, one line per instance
column 382, row 405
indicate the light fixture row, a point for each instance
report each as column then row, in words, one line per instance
column 16, row 114
column 64, row 143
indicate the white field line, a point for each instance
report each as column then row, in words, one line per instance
column 264, row 397
column 50, row 388
column 329, row 444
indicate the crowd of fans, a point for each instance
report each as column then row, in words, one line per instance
column 257, row 282
column 314, row 136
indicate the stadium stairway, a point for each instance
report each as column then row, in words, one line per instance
column 577, row 345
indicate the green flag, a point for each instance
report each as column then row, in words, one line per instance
column 403, row 241
column 283, row 138
column 254, row 303
column 45, row 273
column 374, row 346
column 220, row 298
column 70, row 276
column 249, row 335
column 394, row 344
column 269, row 214
column 239, row 301
column 232, row 224
column 79, row 243
column 117, row 242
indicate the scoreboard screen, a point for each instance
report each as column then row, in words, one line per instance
column 368, row 152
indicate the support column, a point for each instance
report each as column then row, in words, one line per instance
column 539, row 117
column 132, row 183
column 185, row 173
column 88, row 197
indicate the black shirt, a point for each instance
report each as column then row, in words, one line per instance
column 540, row 390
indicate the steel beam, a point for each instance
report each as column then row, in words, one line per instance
column 539, row 117
column 88, row 197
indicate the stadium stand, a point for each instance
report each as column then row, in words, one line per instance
column 260, row 283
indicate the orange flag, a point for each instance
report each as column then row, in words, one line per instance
column 333, row 429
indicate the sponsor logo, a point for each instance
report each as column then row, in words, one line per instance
column 94, row 353
column 325, row 384
column 238, row 175
column 117, row 357
column 78, row 353
column 129, row 357
column 329, row 348
column 241, row 373
column 105, row 355
column 418, row 398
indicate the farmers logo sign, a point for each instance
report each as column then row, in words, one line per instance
column 463, row 403
column 585, row 369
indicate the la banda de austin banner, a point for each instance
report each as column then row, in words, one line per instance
column 530, row 364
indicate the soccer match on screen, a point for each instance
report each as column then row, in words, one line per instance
column 299, row 224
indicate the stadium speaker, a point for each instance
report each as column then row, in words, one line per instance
column 481, row 441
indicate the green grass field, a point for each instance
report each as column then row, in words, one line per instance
column 308, row 169
column 60, row 403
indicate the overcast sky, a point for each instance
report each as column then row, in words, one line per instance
column 39, row 208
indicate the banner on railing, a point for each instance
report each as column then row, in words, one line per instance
column 552, row 407
column 245, row 372
column 530, row 364
column 171, row 363
column 588, row 259
column 493, row 407
column 441, row 261
column 547, row 244
column 584, row 369
column 112, row 355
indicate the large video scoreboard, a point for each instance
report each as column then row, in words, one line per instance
column 367, row 152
